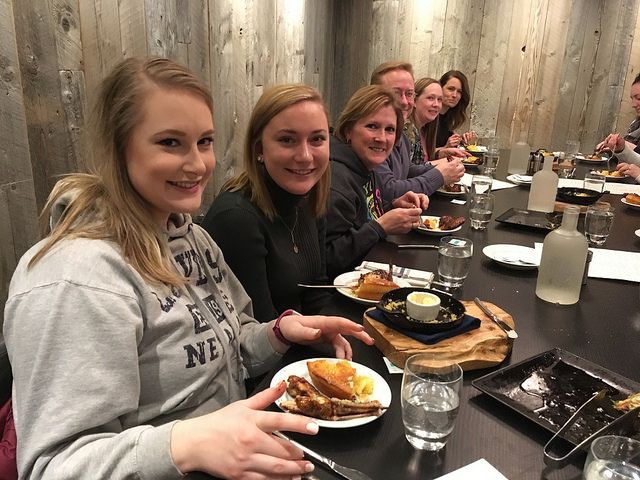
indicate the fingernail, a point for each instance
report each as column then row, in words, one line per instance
column 312, row 427
column 309, row 467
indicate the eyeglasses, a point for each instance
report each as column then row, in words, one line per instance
column 408, row 94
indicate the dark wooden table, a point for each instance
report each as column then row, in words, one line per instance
column 603, row 327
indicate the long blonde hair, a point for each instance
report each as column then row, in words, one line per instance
column 254, row 177
column 103, row 203
column 428, row 130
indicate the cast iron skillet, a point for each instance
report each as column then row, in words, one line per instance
column 450, row 316
column 580, row 196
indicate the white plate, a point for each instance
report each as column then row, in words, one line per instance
column 508, row 255
column 381, row 390
column 637, row 232
column 632, row 205
column 584, row 159
column 478, row 149
column 442, row 191
column 349, row 278
column 520, row 179
column 610, row 178
column 423, row 229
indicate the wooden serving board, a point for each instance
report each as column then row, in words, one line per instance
column 483, row 347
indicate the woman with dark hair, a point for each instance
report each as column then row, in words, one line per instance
column 632, row 137
column 367, row 129
column 455, row 101
column 269, row 220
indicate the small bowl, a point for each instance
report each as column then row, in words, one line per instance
column 394, row 306
column 579, row 196
column 423, row 306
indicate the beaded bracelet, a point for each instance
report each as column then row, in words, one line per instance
column 276, row 326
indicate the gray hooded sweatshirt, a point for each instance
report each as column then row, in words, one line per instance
column 104, row 362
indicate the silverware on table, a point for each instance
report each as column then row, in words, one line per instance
column 511, row 333
column 516, row 261
column 305, row 285
column 418, row 246
column 348, row 473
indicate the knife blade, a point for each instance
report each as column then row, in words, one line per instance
column 345, row 472
column 511, row 333
column 418, row 246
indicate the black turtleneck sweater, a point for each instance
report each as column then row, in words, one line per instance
column 261, row 252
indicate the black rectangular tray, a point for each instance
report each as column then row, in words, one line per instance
column 550, row 387
column 531, row 219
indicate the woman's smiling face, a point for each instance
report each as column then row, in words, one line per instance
column 372, row 137
column 429, row 104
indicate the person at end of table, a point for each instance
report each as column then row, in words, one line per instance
column 632, row 137
column 366, row 131
column 424, row 125
column 128, row 335
column 397, row 175
column 628, row 159
column 455, row 101
column 269, row 220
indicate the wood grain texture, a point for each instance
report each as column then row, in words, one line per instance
column 483, row 347
column 68, row 43
column 133, row 28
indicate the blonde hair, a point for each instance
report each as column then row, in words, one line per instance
column 428, row 130
column 254, row 177
column 103, row 203
column 386, row 67
column 366, row 101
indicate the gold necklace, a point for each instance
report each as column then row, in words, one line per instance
column 291, row 230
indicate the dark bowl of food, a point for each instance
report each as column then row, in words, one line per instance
column 394, row 306
column 580, row 196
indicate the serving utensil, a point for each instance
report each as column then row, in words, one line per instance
column 345, row 472
column 511, row 333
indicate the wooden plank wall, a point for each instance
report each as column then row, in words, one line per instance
column 552, row 69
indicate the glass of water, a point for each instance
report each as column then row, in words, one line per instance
column 430, row 400
column 594, row 181
column 598, row 222
column 480, row 210
column 490, row 164
column 454, row 260
column 481, row 183
column 613, row 458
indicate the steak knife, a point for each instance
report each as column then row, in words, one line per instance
column 511, row 333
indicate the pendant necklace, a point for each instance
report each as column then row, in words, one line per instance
column 291, row 230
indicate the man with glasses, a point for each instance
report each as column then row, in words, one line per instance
column 397, row 175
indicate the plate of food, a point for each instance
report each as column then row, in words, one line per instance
column 631, row 199
column 519, row 179
column 367, row 288
column 477, row 148
column 443, row 225
column 339, row 393
column 593, row 158
column 472, row 161
column 513, row 256
column 453, row 190
column 611, row 175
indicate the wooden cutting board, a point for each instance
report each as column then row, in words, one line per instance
column 483, row 347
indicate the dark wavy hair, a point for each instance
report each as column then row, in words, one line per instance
column 457, row 115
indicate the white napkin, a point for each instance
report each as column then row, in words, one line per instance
column 612, row 264
column 417, row 278
column 495, row 185
column 612, row 187
column 480, row 470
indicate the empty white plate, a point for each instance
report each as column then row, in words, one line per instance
column 513, row 256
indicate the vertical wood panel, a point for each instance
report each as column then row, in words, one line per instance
column 439, row 48
column 132, row 28
column 384, row 24
column 421, row 34
column 318, row 51
column 67, row 31
column 627, row 114
column 289, row 46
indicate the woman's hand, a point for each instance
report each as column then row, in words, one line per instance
column 453, row 141
column 444, row 153
column 400, row 220
column 613, row 142
column 308, row 329
column 451, row 171
column 235, row 442
column 469, row 138
column 629, row 169
column 410, row 200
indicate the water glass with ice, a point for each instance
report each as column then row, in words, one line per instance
column 430, row 397
column 480, row 210
column 454, row 260
column 598, row 222
column 594, row 181
column 481, row 183
column 490, row 164
column 613, row 458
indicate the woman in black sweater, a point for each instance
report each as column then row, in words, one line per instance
column 269, row 220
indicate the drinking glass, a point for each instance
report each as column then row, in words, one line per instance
column 490, row 164
column 430, row 400
column 480, row 210
column 454, row 260
column 613, row 458
column 594, row 181
column 572, row 147
column 481, row 183
column 567, row 166
column 598, row 222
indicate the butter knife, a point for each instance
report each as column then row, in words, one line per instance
column 511, row 333
column 348, row 473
